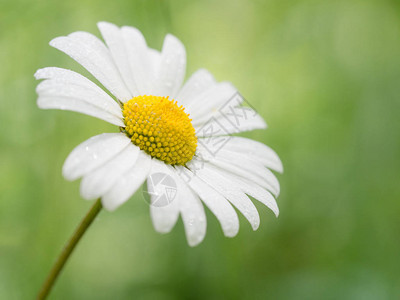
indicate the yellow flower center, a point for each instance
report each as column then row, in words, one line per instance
column 161, row 128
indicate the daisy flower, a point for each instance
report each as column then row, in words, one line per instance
column 183, row 131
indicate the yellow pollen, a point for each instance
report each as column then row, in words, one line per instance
column 161, row 128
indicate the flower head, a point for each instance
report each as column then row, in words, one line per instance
column 176, row 138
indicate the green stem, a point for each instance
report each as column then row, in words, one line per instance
column 68, row 249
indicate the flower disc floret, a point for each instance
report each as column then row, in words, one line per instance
column 161, row 128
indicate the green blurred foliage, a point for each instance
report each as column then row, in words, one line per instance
column 324, row 74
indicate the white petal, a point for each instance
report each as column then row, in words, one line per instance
column 66, row 83
column 128, row 183
column 114, row 39
column 66, row 76
column 254, row 190
column 93, row 153
column 255, row 150
column 247, row 164
column 263, row 177
column 212, row 101
column 139, row 60
column 100, row 181
column 155, row 59
column 172, row 67
column 77, row 105
column 218, row 205
column 192, row 210
column 213, row 177
column 92, row 54
column 163, row 217
column 55, row 88
column 237, row 122
column 195, row 87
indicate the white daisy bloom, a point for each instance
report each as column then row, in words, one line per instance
column 151, row 107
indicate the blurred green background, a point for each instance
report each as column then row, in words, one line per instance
column 326, row 77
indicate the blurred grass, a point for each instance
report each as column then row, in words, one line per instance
column 325, row 76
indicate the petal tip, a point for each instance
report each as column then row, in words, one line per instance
column 38, row 74
column 276, row 212
column 68, row 175
column 264, row 124
column 280, row 168
column 55, row 42
column 108, row 205
column 232, row 232
column 255, row 226
column 195, row 242
column 104, row 24
column 170, row 38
